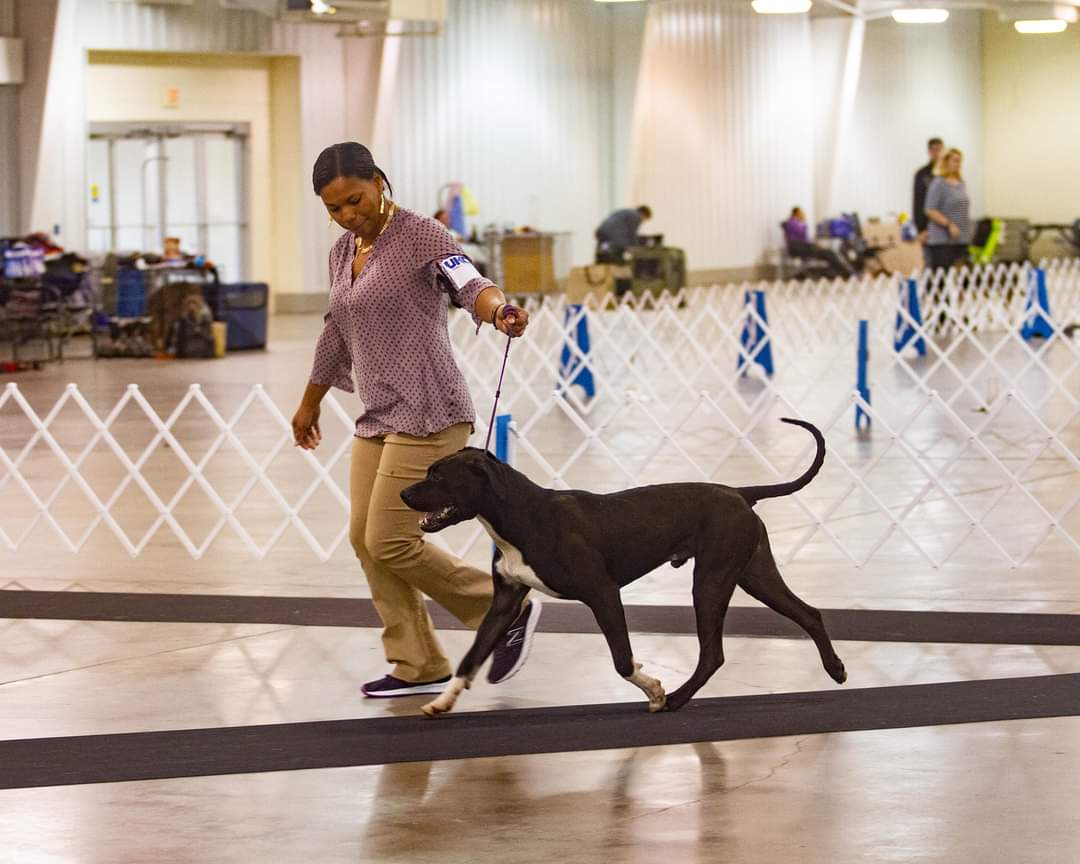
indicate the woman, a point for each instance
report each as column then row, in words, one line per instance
column 797, row 237
column 948, row 209
column 390, row 275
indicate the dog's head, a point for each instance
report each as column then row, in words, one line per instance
column 457, row 487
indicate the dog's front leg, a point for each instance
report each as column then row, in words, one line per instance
column 607, row 607
column 505, row 606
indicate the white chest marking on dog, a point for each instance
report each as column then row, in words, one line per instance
column 512, row 567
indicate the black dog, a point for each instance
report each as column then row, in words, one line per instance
column 584, row 546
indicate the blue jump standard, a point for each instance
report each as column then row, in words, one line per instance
column 755, row 345
column 574, row 367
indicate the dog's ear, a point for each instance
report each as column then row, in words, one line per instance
column 491, row 469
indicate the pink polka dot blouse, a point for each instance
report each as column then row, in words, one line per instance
column 389, row 327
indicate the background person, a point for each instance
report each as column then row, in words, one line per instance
column 797, row 237
column 618, row 232
column 923, row 178
column 948, row 208
column 391, row 274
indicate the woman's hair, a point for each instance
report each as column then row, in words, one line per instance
column 939, row 168
column 347, row 159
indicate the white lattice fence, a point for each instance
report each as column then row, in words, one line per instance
column 972, row 455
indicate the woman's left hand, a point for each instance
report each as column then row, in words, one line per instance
column 511, row 319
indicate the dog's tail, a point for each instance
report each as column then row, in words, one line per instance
column 753, row 494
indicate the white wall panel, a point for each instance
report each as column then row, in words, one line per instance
column 916, row 82
column 723, row 128
column 515, row 102
column 1032, row 125
column 9, row 141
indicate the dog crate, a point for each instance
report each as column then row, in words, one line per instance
column 243, row 306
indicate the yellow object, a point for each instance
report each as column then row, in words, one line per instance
column 468, row 202
column 220, row 331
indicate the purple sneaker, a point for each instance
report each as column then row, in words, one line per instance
column 389, row 687
column 513, row 649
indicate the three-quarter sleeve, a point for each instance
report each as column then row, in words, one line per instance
column 333, row 363
column 448, row 268
column 935, row 195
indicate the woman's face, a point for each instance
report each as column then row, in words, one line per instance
column 353, row 203
column 952, row 165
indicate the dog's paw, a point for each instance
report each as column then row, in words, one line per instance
column 658, row 704
column 433, row 708
column 838, row 673
column 674, row 702
column 445, row 701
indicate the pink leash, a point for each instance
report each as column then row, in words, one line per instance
column 498, row 392
column 498, row 389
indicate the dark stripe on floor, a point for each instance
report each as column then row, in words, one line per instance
column 869, row 625
column 297, row 746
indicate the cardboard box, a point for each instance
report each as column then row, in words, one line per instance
column 898, row 255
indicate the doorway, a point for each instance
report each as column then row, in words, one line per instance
column 184, row 180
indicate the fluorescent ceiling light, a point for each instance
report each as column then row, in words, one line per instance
column 321, row 7
column 920, row 16
column 1044, row 25
column 781, row 7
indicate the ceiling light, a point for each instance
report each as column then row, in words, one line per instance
column 321, row 7
column 1043, row 25
column 920, row 16
column 781, row 7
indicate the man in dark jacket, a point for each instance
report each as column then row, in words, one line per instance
column 618, row 232
column 922, row 182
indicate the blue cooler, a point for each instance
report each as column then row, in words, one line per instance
column 243, row 306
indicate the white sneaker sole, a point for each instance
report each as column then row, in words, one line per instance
column 417, row 690
column 530, row 628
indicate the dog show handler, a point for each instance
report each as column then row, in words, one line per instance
column 391, row 275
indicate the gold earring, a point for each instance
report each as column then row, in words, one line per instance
column 382, row 204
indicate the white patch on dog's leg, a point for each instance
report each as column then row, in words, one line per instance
column 650, row 686
column 445, row 701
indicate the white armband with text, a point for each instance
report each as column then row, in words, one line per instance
column 459, row 270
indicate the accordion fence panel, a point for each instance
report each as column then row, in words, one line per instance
column 971, row 455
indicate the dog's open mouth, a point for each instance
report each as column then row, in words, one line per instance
column 438, row 519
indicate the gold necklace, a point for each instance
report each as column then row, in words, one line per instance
column 361, row 249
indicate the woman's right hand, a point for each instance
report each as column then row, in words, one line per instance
column 305, row 427
column 954, row 231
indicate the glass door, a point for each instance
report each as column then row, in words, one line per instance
column 186, row 181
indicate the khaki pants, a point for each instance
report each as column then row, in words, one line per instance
column 400, row 566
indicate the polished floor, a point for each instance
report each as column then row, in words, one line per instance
column 987, row 792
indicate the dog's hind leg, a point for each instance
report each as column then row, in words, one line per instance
column 607, row 607
column 505, row 606
column 713, row 588
column 762, row 581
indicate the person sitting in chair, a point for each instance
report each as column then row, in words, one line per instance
column 799, row 246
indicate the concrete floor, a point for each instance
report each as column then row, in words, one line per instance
column 989, row 792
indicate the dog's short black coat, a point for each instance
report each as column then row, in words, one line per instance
column 583, row 546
